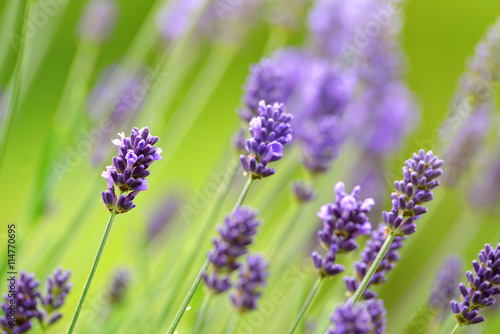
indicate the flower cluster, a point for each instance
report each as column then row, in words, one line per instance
column 130, row 169
column 367, row 317
column 270, row 132
column 251, row 279
column 236, row 234
column 24, row 302
column 20, row 305
column 343, row 221
column 372, row 248
column 482, row 285
column 420, row 175
column 445, row 283
column 57, row 287
column 264, row 82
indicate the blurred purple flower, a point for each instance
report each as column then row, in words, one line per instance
column 24, row 301
column 98, row 20
column 236, row 234
column 445, row 283
column 58, row 287
column 165, row 211
column 368, row 317
column 303, row 192
column 485, row 192
column 119, row 283
column 252, row 277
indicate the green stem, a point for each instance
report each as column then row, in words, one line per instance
column 17, row 85
column 197, row 280
column 373, row 268
column 92, row 273
column 457, row 328
column 307, row 304
column 203, row 313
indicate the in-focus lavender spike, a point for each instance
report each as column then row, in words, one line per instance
column 136, row 153
column 343, row 221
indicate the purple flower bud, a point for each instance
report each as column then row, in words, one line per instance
column 361, row 318
column 303, row 192
column 118, row 286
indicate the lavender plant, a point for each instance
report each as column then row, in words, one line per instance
column 364, row 318
column 343, row 222
column 270, row 131
column 98, row 20
column 25, row 304
column 420, row 175
column 128, row 174
column 251, row 279
column 482, row 286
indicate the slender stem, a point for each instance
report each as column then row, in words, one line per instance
column 203, row 313
column 231, row 325
column 457, row 328
column 92, row 273
column 243, row 194
column 373, row 268
column 307, row 304
column 197, row 280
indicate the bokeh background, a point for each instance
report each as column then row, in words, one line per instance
column 192, row 109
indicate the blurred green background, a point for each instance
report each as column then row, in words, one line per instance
column 437, row 37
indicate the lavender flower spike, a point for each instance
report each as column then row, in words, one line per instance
column 58, row 288
column 270, row 132
column 20, row 304
column 420, row 175
column 236, row 234
column 130, row 169
column 362, row 318
column 251, row 279
column 343, row 221
column 482, row 285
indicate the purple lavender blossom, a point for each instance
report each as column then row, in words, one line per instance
column 265, row 82
column 420, row 178
column 481, row 287
column 343, row 221
column 252, row 277
column 119, row 283
column 303, row 192
column 445, row 283
column 382, row 116
column 25, row 303
column 58, row 287
column 373, row 246
column 236, row 234
column 98, row 20
column 270, row 132
column 130, row 169
column 361, row 318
